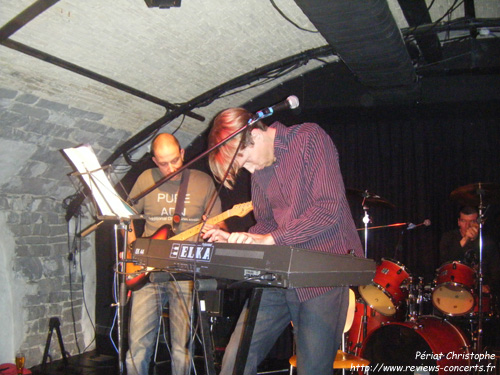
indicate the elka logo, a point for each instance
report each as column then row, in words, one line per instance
column 199, row 252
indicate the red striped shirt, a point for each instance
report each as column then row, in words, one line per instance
column 300, row 199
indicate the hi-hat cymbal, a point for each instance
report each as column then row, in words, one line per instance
column 470, row 194
column 367, row 198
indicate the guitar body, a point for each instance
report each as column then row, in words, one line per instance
column 137, row 276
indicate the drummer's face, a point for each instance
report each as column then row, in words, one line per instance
column 466, row 221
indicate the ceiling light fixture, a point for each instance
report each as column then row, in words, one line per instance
column 163, row 3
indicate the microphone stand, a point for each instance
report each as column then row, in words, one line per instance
column 121, row 291
column 366, row 221
column 399, row 245
column 384, row 226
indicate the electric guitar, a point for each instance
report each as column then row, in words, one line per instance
column 138, row 276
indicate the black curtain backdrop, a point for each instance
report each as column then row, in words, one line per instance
column 414, row 157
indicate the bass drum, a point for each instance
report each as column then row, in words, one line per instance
column 429, row 341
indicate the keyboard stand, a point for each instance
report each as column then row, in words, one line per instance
column 249, row 325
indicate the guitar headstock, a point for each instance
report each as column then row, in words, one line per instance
column 241, row 209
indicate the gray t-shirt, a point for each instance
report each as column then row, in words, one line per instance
column 159, row 205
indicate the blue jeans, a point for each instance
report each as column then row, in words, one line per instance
column 145, row 315
column 318, row 327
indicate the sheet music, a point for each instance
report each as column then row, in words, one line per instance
column 107, row 199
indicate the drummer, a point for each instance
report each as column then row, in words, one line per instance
column 462, row 245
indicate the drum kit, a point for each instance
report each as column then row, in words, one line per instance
column 398, row 315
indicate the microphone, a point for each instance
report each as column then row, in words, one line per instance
column 291, row 102
column 89, row 229
column 411, row 226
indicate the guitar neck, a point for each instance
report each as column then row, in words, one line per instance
column 194, row 230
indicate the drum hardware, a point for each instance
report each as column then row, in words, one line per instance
column 367, row 200
column 418, row 326
column 478, row 195
column 416, row 298
column 366, row 221
column 479, row 344
column 425, row 296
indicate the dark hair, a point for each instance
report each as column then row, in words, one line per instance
column 468, row 210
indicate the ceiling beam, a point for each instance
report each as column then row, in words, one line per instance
column 23, row 18
column 416, row 14
column 469, row 9
column 93, row 75
column 366, row 37
column 33, row 11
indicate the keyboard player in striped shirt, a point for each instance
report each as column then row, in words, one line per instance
column 299, row 200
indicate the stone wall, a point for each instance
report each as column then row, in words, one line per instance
column 44, row 270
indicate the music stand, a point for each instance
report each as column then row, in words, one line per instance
column 111, row 207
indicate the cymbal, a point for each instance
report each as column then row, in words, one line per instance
column 470, row 194
column 371, row 200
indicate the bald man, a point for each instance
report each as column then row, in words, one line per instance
column 159, row 207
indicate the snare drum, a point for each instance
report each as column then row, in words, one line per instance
column 388, row 288
column 453, row 291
